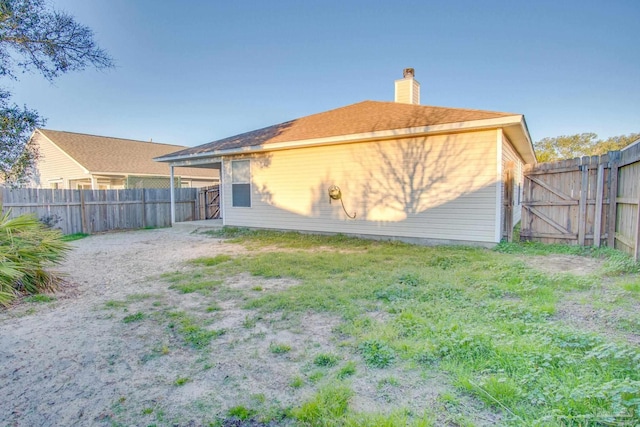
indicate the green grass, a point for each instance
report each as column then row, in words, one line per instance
column 210, row 261
column 202, row 287
column 241, row 412
column 331, row 407
column 377, row 354
column 279, row 348
column 134, row 317
column 480, row 318
column 180, row 381
column 326, row 360
column 40, row 298
column 74, row 236
column 296, row 382
column 347, row 370
column 192, row 330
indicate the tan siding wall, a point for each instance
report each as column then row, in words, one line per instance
column 54, row 164
column 416, row 93
column 441, row 187
column 407, row 91
column 509, row 154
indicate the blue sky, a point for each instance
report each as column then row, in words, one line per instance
column 190, row 72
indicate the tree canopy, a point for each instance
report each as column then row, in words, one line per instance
column 578, row 145
column 36, row 38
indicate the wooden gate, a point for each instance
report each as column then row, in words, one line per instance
column 567, row 201
column 209, row 202
column 585, row 201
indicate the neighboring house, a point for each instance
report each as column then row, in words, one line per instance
column 79, row 161
column 405, row 171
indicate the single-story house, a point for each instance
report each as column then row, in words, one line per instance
column 387, row 170
column 78, row 161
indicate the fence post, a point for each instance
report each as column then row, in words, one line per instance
column 83, row 213
column 614, row 159
column 144, row 209
column 584, row 193
column 597, row 226
column 636, row 249
column 172, row 196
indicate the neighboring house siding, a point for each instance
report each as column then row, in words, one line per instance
column 436, row 187
column 509, row 154
column 54, row 164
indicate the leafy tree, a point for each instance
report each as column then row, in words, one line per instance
column 615, row 143
column 578, row 145
column 35, row 38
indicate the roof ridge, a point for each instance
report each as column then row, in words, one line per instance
column 441, row 107
column 109, row 137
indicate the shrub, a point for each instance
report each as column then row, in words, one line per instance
column 27, row 248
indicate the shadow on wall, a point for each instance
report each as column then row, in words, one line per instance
column 440, row 184
column 407, row 176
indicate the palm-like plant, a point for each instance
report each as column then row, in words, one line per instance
column 27, row 248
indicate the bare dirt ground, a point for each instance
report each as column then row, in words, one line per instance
column 77, row 361
column 597, row 309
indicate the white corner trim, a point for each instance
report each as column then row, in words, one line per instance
column 499, row 190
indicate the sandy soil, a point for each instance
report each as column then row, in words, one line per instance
column 70, row 362
column 76, row 362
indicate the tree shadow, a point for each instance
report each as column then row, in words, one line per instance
column 406, row 177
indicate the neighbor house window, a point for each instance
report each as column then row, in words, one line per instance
column 241, row 183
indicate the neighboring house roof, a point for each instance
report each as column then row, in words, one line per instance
column 363, row 119
column 117, row 156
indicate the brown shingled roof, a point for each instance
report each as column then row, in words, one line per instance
column 103, row 154
column 363, row 117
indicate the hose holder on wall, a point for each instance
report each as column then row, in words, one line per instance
column 336, row 194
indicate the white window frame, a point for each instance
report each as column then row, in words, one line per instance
column 233, row 181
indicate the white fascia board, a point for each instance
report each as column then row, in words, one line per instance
column 342, row 139
column 192, row 162
column 126, row 174
column 525, row 132
column 85, row 170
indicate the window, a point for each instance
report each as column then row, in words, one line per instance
column 56, row 183
column 241, row 183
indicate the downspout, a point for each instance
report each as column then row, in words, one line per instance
column 173, row 197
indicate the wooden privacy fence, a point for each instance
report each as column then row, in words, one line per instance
column 585, row 201
column 91, row 211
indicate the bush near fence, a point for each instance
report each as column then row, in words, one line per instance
column 92, row 211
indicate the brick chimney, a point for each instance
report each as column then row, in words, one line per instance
column 408, row 88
